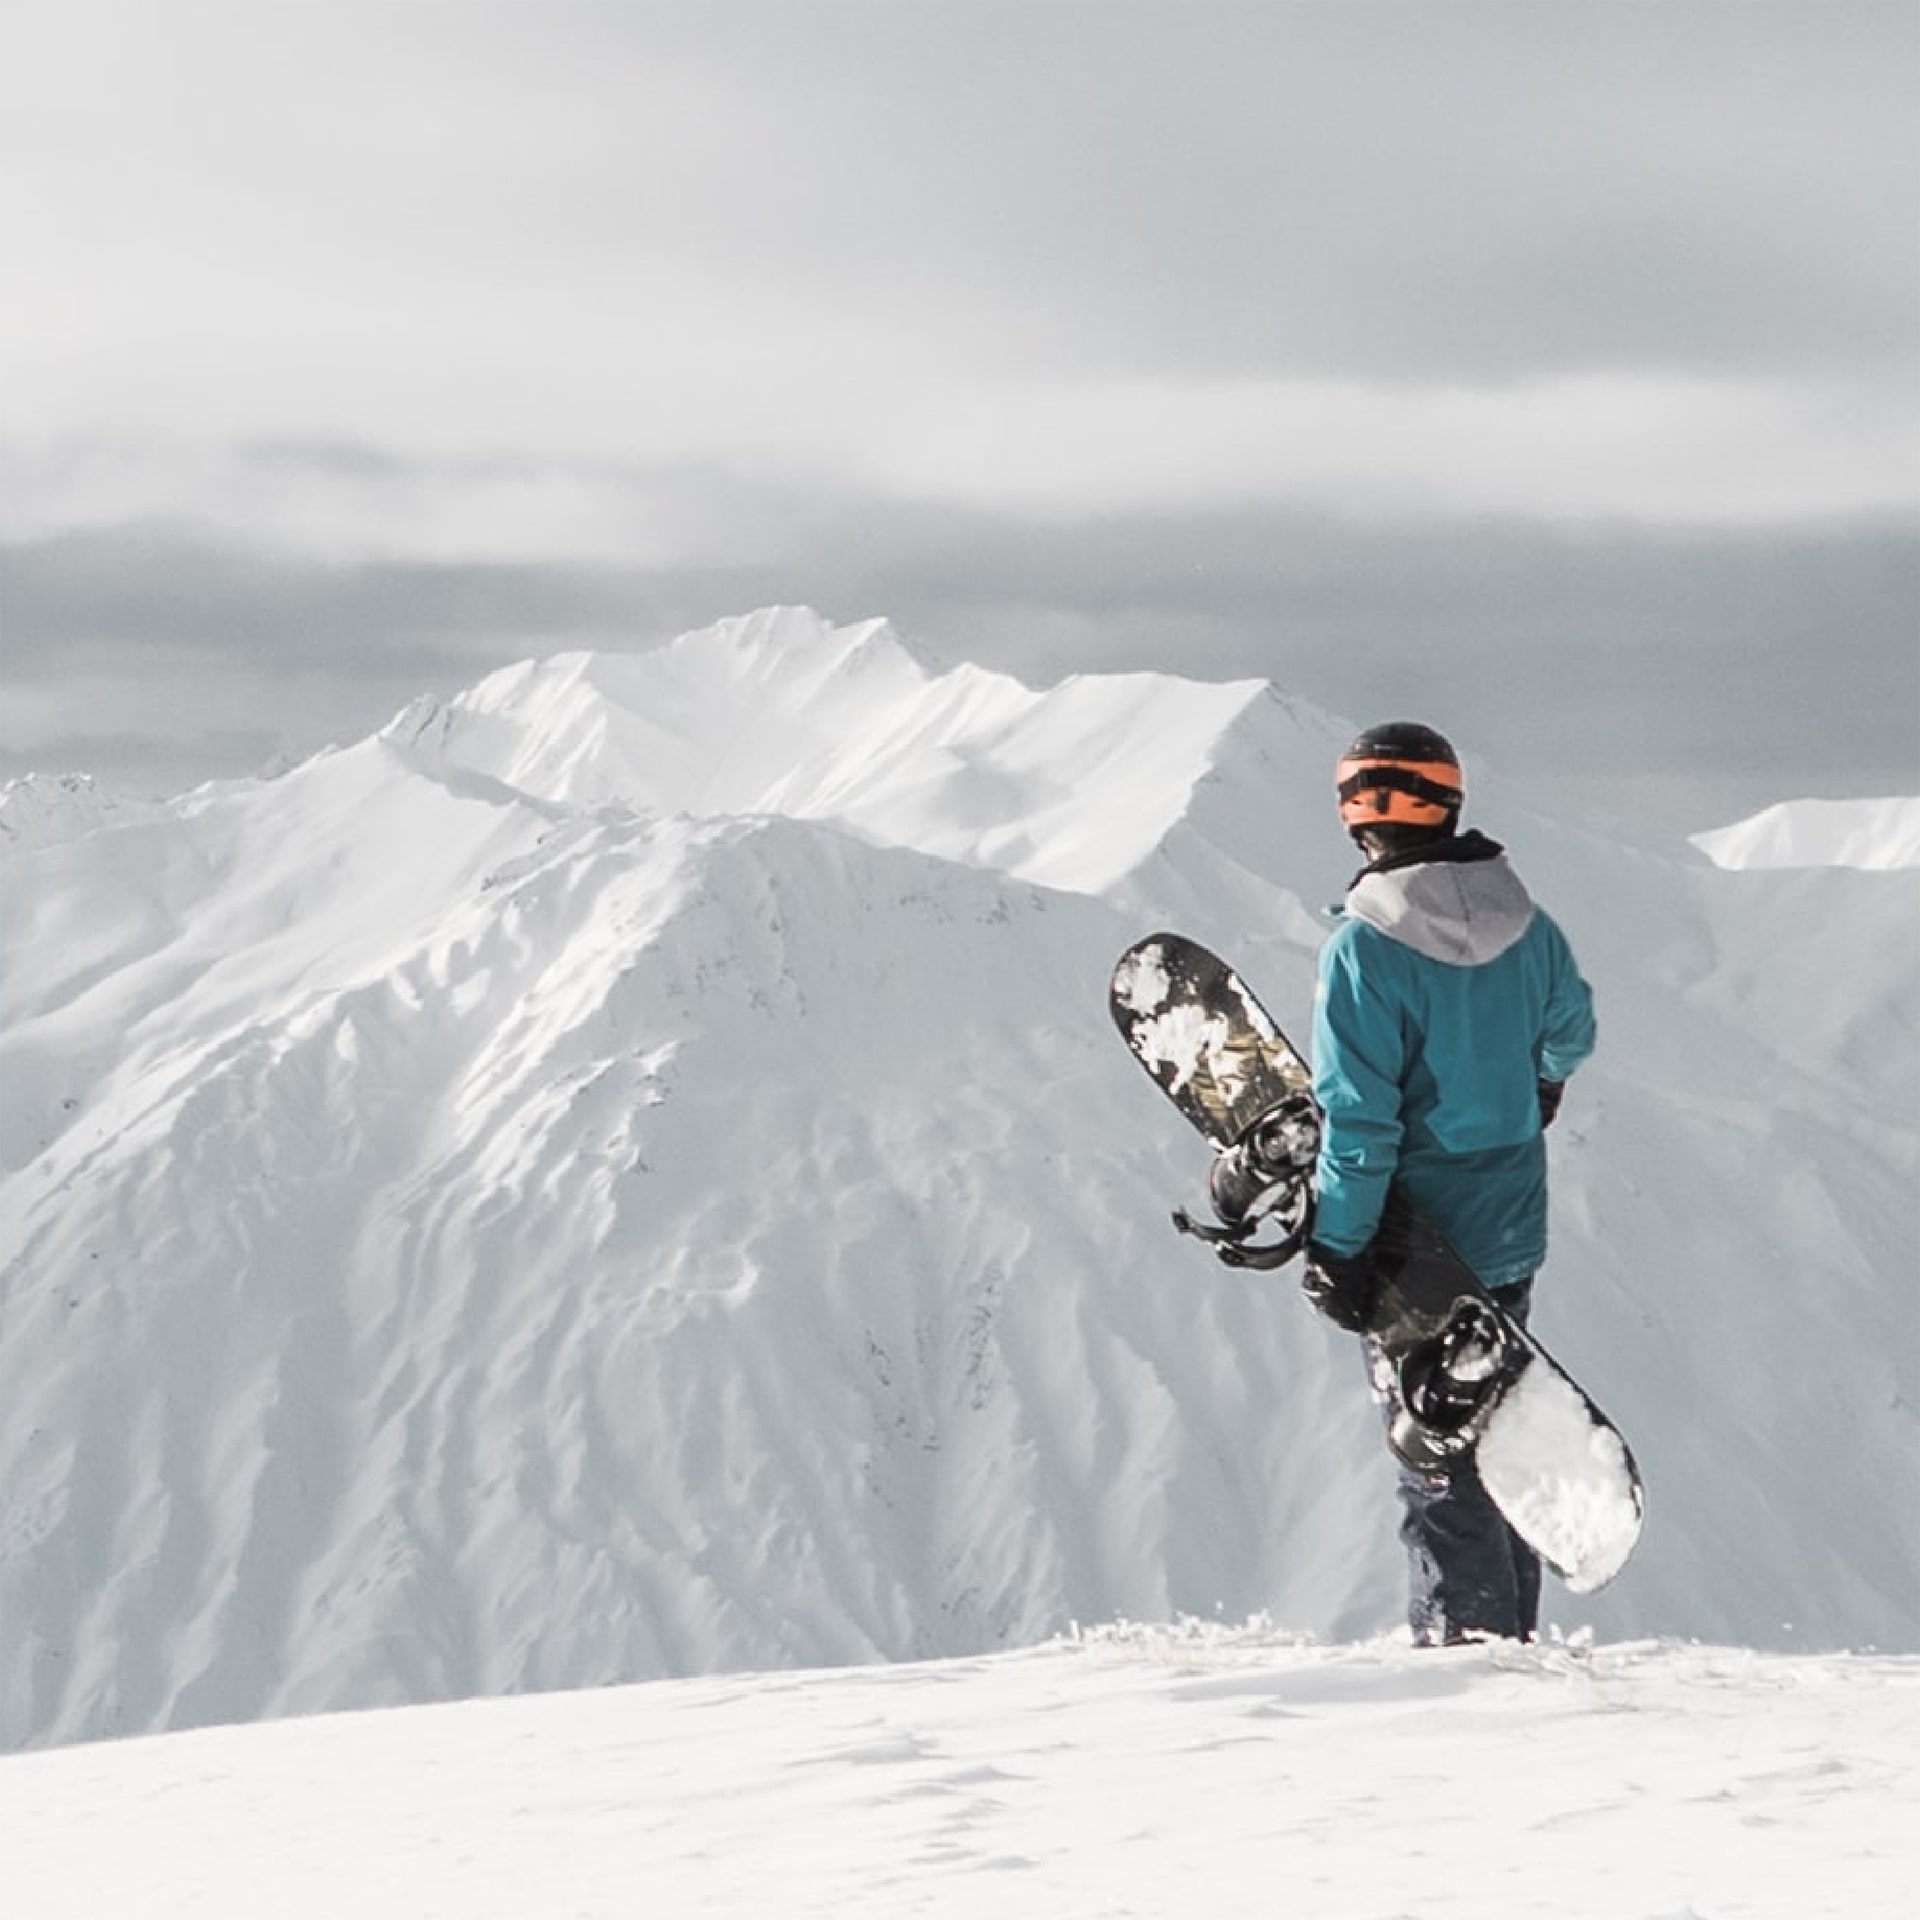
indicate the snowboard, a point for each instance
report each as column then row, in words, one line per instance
column 1467, row 1387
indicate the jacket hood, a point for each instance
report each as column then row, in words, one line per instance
column 1460, row 903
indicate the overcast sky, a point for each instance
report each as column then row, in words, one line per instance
column 1551, row 372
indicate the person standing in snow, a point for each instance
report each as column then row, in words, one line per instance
column 1448, row 1015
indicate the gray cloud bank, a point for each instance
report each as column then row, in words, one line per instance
column 1550, row 371
column 1713, row 671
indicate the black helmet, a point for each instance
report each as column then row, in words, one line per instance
column 1400, row 774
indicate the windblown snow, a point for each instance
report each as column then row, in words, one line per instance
column 626, row 1174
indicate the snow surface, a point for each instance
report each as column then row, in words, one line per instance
column 1162, row 1772
column 1560, row 1479
column 1872, row 834
column 627, row 1174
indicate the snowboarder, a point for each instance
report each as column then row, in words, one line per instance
column 1448, row 1015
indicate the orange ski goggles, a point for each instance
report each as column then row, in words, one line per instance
column 1411, row 793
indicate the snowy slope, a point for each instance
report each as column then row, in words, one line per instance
column 1154, row 1774
column 42, row 809
column 1872, row 834
column 773, row 715
column 625, row 1173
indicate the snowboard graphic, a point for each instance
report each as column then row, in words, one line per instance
column 1464, row 1381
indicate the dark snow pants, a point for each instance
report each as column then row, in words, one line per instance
column 1470, row 1576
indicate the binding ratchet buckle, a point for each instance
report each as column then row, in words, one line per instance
column 1262, row 1184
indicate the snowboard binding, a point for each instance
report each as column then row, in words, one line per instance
column 1445, row 1384
column 1264, row 1181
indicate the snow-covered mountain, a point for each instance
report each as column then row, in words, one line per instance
column 1872, row 834
column 626, row 1173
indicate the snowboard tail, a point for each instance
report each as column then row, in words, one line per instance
column 1467, row 1385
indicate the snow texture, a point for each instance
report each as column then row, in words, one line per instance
column 627, row 1174
column 1564, row 1482
column 1187, row 1037
column 1869, row 834
column 1136, row 1771
column 1141, row 982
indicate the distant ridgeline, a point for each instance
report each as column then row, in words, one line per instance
column 624, row 1173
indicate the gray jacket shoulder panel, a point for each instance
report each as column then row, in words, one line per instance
column 1460, row 913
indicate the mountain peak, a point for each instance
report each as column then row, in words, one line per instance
column 40, row 809
column 628, row 1172
column 780, row 712
column 1868, row 834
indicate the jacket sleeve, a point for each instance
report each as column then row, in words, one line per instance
column 1568, row 1030
column 1359, row 1055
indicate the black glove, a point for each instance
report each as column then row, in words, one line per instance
column 1344, row 1287
column 1551, row 1092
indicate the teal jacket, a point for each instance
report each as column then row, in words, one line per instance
column 1445, row 996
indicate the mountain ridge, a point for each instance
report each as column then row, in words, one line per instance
column 462, row 1237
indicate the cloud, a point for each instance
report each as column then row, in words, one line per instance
column 354, row 349
column 611, row 231
column 1636, row 450
column 1727, row 666
column 1619, row 261
column 1593, row 447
